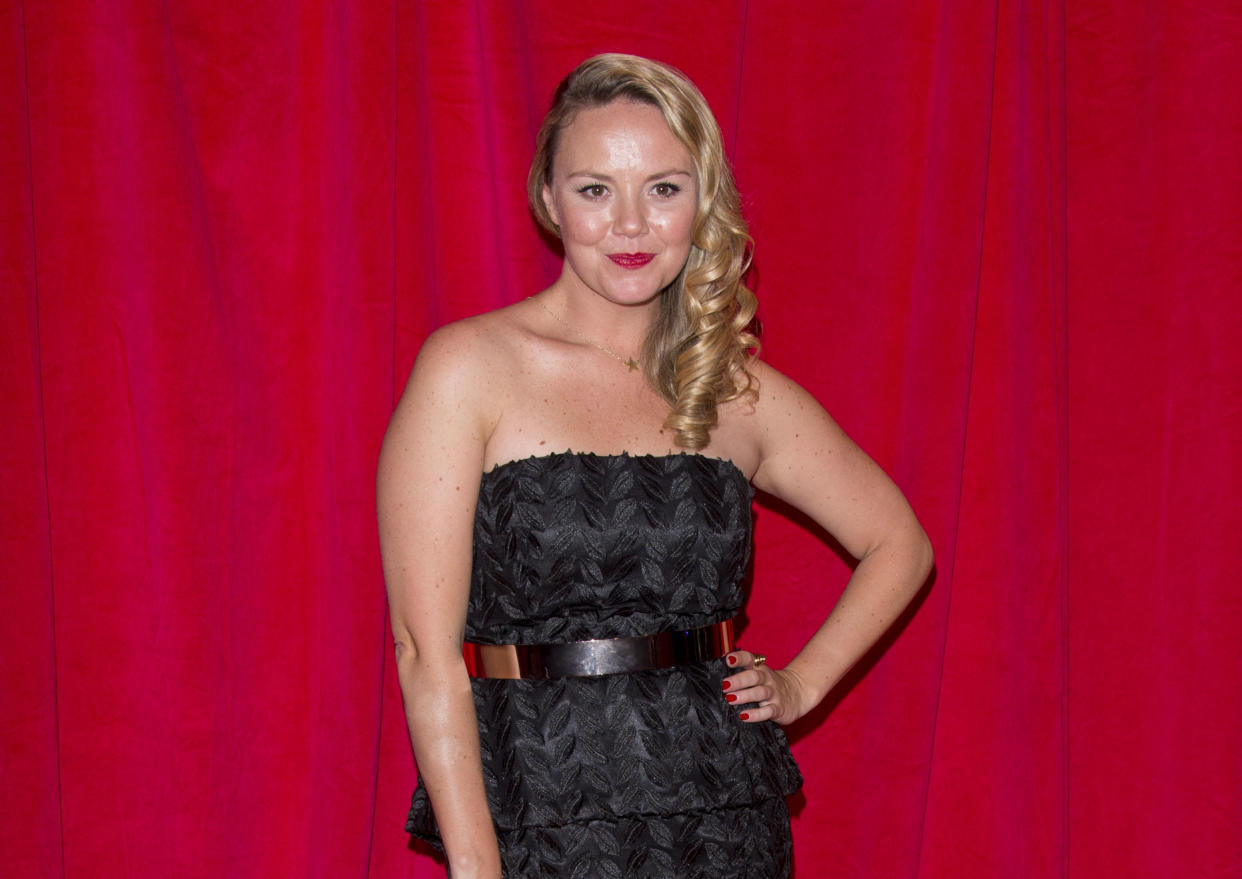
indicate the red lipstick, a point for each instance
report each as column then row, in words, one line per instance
column 631, row 260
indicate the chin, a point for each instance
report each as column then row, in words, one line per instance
column 632, row 296
column 637, row 291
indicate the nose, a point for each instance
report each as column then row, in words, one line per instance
column 630, row 219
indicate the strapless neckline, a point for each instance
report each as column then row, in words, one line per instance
column 500, row 467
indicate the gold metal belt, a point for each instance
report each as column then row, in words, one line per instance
column 602, row 656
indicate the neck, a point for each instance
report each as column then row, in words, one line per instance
column 620, row 326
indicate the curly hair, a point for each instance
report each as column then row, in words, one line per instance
column 697, row 350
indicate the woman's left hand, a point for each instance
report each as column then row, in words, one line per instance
column 778, row 694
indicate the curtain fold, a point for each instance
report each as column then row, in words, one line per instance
column 1001, row 243
column 28, row 673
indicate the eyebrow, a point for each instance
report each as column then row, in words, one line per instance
column 608, row 179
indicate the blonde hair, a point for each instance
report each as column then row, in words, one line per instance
column 697, row 350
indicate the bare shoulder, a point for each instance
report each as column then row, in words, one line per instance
column 804, row 458
column 761, row 419
column 469, row 351
column 468, row 365
column 455, row 394
column 793, row 435
column 751, row 426
column 778, row 393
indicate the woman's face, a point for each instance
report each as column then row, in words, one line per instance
column 624, row 192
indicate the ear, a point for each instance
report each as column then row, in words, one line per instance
column 550, row 204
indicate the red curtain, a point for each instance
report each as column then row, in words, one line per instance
column 1002, row 243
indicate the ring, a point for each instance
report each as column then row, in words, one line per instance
column 760, row 659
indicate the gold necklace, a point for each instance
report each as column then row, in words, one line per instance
column 627, row 361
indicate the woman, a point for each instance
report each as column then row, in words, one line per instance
column 624, row 736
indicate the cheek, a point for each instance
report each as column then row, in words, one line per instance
column 583, row 227
column 676, row 227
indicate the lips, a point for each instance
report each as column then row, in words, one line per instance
column 631, row 260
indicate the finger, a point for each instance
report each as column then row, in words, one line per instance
column 757, row 714
column 739, row 661
column 743, row 680
column 749, row 695
column 747, row 675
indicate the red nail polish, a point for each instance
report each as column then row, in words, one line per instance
column 724, row 685
column 732, row 660
column 744, row 716
column 731, row 697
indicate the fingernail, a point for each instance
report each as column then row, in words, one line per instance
column 731, row 697
column 744, row 716
column 732, row 660
column 724, row 685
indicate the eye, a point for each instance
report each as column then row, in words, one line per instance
column 666, row 189
column 593, row 190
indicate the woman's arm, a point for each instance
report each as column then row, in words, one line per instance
column 429, row 471
column 806, row 460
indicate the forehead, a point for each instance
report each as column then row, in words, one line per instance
column 618, row 135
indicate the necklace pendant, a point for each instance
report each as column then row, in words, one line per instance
column 632, row 364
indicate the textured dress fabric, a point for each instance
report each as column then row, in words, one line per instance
column 647, row 774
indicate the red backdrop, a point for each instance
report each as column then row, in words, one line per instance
column 1001, row 242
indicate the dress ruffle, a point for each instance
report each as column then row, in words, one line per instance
column 630, row 745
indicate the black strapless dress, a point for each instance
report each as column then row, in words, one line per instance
column 629, row 775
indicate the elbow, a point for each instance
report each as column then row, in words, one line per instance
column 405, row 653
column 923, row 556
column 419, row 663
column 404, row 650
